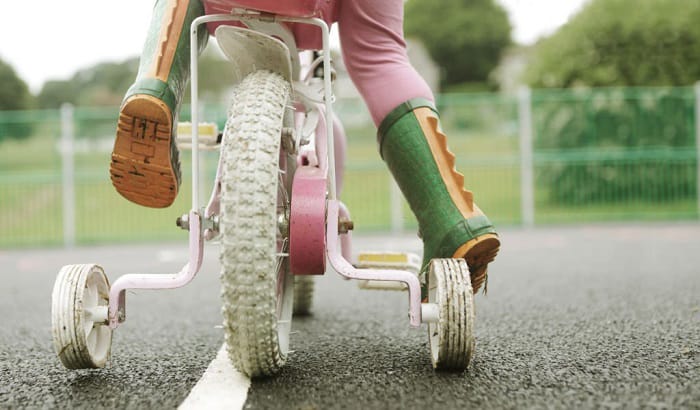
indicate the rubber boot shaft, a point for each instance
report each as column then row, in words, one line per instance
column 164, row 67
column 414, row 148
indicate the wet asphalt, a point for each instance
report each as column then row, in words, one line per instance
column 575, row 317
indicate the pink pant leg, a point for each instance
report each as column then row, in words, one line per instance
column 374, row 51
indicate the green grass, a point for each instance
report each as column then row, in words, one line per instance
column 31, row 201
column 31, row 213
column 30, row 155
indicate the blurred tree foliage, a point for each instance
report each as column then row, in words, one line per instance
column 615, row 44
column 14, row 95
column 101, row 85
column 465, row 37
column 615, row 144
column 106, row 83
column 622, row 43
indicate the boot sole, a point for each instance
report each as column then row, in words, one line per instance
column 141, row 169
column 478, row 253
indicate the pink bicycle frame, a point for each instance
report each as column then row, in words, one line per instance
column 198, row 223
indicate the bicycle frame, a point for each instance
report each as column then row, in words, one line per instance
column 328, row 95
column 199, row 221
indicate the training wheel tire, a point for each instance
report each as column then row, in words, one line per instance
column 303, row 294
column 451, row 338
column 79, row 303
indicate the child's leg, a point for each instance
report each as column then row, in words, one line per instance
column 145, row 167
column 411, row 141
column 374, row 52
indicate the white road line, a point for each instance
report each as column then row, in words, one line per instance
column 221, row 386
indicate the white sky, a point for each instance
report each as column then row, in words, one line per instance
column 49, row 39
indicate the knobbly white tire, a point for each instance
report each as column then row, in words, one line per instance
column 80, row 296
column 303, row 294
column 452, row 337
column 257, row 286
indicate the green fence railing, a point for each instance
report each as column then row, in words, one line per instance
column 549, row 156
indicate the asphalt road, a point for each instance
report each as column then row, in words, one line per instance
column 575, row 317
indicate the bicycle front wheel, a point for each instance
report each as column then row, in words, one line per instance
column 257, row 285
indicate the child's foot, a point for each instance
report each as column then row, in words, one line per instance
column 145, row 166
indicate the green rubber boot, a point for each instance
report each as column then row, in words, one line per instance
column 450, row 224
column 145, row 165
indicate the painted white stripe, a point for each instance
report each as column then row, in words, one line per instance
column 221, row 386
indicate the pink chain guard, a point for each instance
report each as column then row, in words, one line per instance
column 307, row 222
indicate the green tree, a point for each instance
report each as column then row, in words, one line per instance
column 14, row 95
column 103, row 84
column 465, row 37
column 56, row 92
column 622, row 43
column 215, row 76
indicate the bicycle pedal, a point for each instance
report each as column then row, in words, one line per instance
column 208, row 136
column 387, row 260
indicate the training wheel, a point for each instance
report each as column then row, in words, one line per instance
column 303, row 294
column 79, row 307
column 451, row 336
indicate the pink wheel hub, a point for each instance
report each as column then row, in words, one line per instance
column 307, row 222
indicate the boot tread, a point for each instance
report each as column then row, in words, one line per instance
column 143, row 169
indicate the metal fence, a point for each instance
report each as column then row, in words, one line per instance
column 539, row 157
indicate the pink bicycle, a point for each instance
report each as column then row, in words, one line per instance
column 275, row 210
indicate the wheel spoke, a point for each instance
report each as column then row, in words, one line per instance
column 282, row 187
column 92, row 339
column 89, row 302
column 90, row 296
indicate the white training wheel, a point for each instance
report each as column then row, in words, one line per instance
column 451, row 335
column 79, row 307
column 303, row 294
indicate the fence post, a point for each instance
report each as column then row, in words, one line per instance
column 68, row 174
column 527, row 184
column 395, row 206
column 697, row 142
